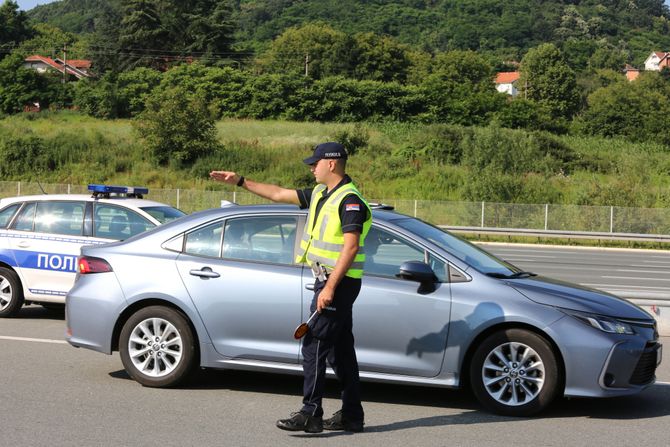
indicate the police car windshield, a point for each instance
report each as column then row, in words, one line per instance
column 163, row 214
column 463, row 250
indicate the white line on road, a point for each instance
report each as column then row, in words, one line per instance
column 636, row 277
column 630, row 286
column 643, row 271
column 38, row 340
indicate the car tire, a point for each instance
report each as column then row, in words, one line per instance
column 157, row 347
column 11, row 293
column 515, row 372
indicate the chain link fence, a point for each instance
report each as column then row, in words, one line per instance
column 570, row 218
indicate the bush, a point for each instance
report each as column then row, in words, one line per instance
column 177, row 127
column 354, row 139
column 23, row 154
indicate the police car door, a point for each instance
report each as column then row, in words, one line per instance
column 45, row 239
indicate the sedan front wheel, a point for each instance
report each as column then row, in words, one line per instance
column 157, row 347
column 515, row 372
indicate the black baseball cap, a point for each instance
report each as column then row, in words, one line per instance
column 330, row 150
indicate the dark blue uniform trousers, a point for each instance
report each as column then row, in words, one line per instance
column 330, row 338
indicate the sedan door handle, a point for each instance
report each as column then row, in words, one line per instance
column 205, row 272
column 24, row 244
column 309, row 286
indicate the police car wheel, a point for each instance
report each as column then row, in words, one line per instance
column 11, row 293
column 515, row 372
column 157, row 347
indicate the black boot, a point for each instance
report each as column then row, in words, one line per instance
column 300, row 421
column 339, row 422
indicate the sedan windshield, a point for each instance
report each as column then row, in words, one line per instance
column 163, row 214
column 463, row 250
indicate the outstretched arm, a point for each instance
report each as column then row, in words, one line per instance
column 270, row 192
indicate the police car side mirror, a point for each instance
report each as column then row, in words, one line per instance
column 420, row 272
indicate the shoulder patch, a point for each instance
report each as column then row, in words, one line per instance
column 352, row 207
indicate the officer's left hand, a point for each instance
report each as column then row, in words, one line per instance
column 325, row 299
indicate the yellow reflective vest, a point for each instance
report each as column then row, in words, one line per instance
column 323, row 240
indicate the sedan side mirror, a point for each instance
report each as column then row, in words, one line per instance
column 420, row 272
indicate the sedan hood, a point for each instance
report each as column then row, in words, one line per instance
column 552, row 292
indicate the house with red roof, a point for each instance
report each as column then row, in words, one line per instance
column 79, row 68
column 506, row 82
column 656, row 61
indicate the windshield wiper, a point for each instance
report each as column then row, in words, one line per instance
column 512, row 276
column 522, row 275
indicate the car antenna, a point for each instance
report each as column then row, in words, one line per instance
column 41, row 189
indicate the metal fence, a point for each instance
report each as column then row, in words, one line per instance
column 542, row 217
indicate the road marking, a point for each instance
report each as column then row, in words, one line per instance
column 630, row 286
column 635, row 277
column 37, row 340
column 643, row 271
column 526, row 255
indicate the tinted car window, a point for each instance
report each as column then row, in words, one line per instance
column 163, row 214
column 481, row 260
column 6, row 215
column 26, row 218
column 114, row 222
column 384, row 253
column 205, row 241
column 267, row 239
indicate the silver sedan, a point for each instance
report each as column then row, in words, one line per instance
column 221, row 289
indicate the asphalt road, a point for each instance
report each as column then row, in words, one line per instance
column 52, row 394
column 643, row 274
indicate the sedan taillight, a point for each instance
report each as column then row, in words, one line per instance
column 89, row 264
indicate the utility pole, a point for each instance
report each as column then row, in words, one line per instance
column 64, row 62
column 307, row 61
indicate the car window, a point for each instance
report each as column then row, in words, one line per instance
column 385, row 252
column 262, row 238
column 6, row 214
column 163, row 214
column 26, row 218
column 205, row 241
column 118, row 223
column 60, row 218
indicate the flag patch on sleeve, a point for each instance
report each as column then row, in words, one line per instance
column 352, row 207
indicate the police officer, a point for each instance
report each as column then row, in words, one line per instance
column 338, row 221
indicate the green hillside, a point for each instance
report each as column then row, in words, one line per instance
column 505, row 28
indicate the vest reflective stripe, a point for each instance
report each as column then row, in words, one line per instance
column 323, row 240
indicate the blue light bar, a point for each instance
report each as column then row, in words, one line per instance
column 109, row 189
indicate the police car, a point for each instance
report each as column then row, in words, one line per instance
column 40, row 238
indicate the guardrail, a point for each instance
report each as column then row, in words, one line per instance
column 546, row 220
column 593, row 235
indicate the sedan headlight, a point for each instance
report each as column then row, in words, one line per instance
column 605, row 324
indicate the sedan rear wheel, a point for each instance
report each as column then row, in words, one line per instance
column 11, row 293
column 157, row 346
column 515, row 372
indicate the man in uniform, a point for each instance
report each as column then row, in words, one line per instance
column 337, row 223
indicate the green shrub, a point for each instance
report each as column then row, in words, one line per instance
column 177, row 127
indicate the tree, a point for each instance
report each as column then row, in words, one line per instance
column 19, row 86
column 177, row 127
column 142, row 34
column 14, row 27
column 548, row 80
column 380, row 58
column 461, row 90
column 325, row 51
column 637, row 110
